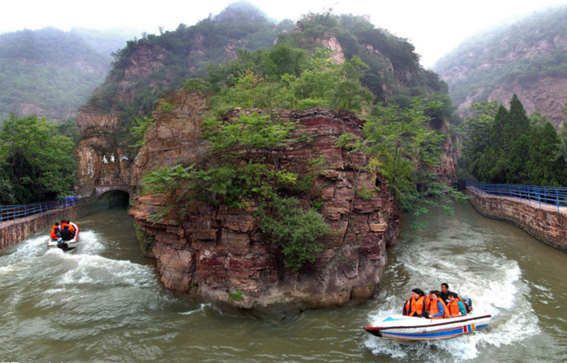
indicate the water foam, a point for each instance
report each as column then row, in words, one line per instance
column 201, row 308
column 493, row 282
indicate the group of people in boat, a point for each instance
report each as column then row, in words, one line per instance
column 437, row 304
column 66, row 230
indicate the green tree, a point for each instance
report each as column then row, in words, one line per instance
column 542, row 161
column 508, row 147
column 406, row 151
column 476, row 135
column 36, row 159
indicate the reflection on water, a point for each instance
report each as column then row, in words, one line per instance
column 104, row 302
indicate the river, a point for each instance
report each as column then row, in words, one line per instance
column 104, row 302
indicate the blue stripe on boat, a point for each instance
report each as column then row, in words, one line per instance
column 454, row 331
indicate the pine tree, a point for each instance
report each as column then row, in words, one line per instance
column 518, row 121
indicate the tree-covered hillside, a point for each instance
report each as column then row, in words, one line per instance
column 527, row 58
column 148, row 68
column 49, row 72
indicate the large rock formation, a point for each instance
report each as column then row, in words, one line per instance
column 218, row 253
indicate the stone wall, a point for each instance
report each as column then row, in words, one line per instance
column 13, row 232
column 545, row 222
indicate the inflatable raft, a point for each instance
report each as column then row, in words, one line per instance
column 409, row 328
column 65, row 245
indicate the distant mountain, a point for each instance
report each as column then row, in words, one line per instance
column 148, row 67
column 106, row 42
column 528, row 58
column 49, row 72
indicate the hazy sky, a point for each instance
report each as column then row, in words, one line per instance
column 433, row 26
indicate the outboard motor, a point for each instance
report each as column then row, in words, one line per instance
column 62, row 244
column 468, row 303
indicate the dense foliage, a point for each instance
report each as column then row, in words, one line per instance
column 506, row 146
column 36, row 161
column 48, row 72
column 530, row 49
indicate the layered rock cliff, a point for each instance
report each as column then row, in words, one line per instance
column 219, row 254
column 528, row 58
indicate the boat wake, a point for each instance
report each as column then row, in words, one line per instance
column 492, row 281
column 77, row 282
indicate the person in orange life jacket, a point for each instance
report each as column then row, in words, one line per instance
column 415, row 305
column 55, row 231
column 66, row 222
column 444, row 294
column 456, row 306
column 66, row 234
column 436, row 307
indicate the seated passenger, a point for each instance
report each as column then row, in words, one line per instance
column 436, row 308
column 444, row 294
column 415, row 305
column 66, row 234
column 66, row 222
column 456, row 306
column 55, row 232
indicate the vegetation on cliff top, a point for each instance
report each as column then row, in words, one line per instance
column 392, row 73
column 36, row 161
column 506, row 146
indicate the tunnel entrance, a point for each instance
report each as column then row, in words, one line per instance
column 115, row 199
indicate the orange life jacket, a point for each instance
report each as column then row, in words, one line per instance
column 414, row 307
column 71, row 228
column 433, row 309
column 53, row 232
column 454, row 308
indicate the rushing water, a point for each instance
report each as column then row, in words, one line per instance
column 104, row 302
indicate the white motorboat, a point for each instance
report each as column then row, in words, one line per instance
column 65, row 245
column 409, row 328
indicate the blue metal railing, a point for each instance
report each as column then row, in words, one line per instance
column 10, row 212
column 556, row 196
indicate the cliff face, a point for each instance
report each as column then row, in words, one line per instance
column 219, row 254
column 175, row 136
column 528, row 59
column 101, row 162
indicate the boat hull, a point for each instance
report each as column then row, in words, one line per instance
column 405, row 328
column 65, row 246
